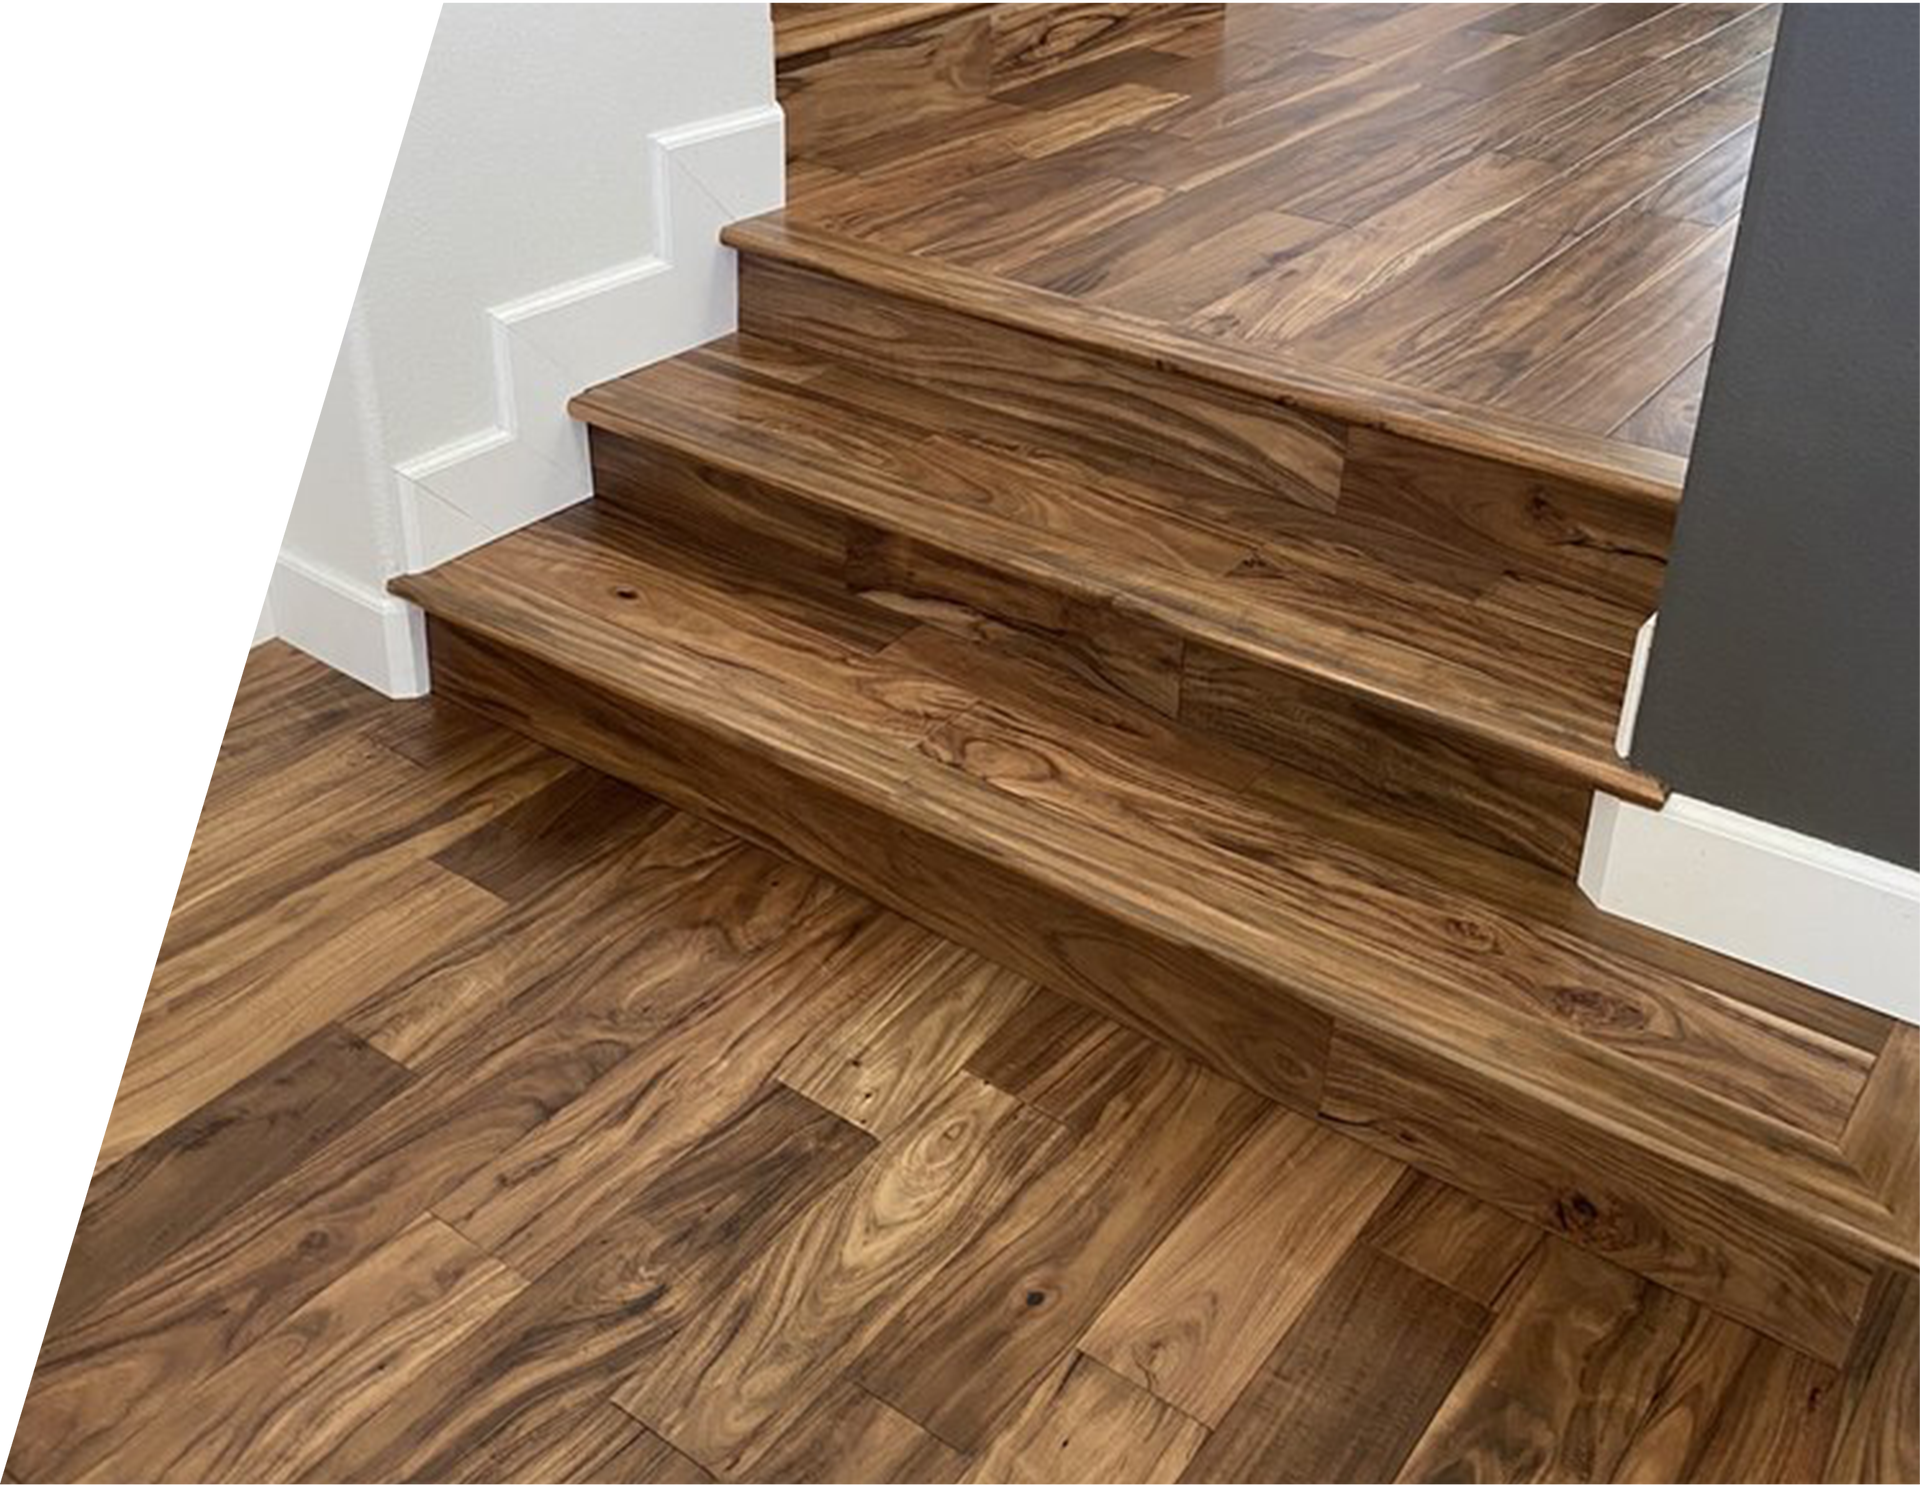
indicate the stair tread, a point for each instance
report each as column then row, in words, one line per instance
column 1640, row 474
column 1271, row 582
column 1243, row 859
column 801, row 30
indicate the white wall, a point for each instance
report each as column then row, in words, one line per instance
column 123, row 460
column 373, row 248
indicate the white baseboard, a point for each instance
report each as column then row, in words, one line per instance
column 1816, row 912
column 549, row 345
column 372, row 636
column 72, row 675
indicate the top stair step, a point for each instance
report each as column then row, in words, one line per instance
column 800, row 31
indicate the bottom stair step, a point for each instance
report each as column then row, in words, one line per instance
column 1732, row 1135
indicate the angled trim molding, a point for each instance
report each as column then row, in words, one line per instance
column 550, row 344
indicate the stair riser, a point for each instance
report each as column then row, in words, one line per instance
column 1533, row 1157
column 939, row 64
column 1445, row 515
column 1474, row 787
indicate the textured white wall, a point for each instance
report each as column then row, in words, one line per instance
column 121, row 446
column 524, row 165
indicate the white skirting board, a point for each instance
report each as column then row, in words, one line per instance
column 549, row 345
column 1816, row 912
column 68, row 677
column 370, row 635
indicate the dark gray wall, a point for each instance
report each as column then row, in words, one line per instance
column 1785, row 676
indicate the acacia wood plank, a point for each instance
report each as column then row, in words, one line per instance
column 189, row 1177
column 1085, row 1423
column 1061, row 1058
column 1322, row 1407
column 838, row 1276
column 1196, row 1320
column 1562, row 1379
column 1015, row 1299
column 849, row 1435
column 541, row 1369
column 733, row 1026
column 549, row 835
column 564, row 1029
column 278, row 1407
column 1878, row 1431
column 1451, row 1237
column 907, row 1035
column 1347, row 114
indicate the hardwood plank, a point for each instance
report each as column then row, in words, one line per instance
column 549, row 835
column 1085, row 1423
column 907, row 1036
column 569, row 1021
column 1878, row 1431
column 1323, row 1407
column 189, row 1177
column 532, row 1200
column 1196, row 1320
column 279, row 1406
column 849, row 1435
column 1451, row 1237
column 1562, row 1380
column 541, row 1370
column 1061, row 1058
column 1013, row 1300
column 37, row 1047
column 219, row 1013
column 938, row 66
column 1666, row 419
column 1710, row 190
column 816, row 1295
column 1685, row 1407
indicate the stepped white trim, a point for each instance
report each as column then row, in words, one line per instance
column 551, row 344
column 1831, row 917
column 121, row 652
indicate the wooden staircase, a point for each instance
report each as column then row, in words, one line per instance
column 1257, row 706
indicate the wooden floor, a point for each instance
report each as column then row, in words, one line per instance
column 1521, row 208
column 490, row 1120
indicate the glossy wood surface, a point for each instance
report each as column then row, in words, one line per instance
column 1430, row 634
column 1285, row 932
column 1530, row 218
column 748, row 1285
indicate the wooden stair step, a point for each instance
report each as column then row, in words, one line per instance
column 1489, row 694
column 1632, row 1097
column 800, row 30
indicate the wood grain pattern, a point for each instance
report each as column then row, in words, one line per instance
column 1013, row 1301
column 1560, row 1383
column 1623, row 1172
column 1197, row 1318
column 1296, row 1418
column 839, row 1275
column 908, row 1034
column 277, row 1408
column 318, row 1319
column 187, row 1178
column 1085, row 1423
